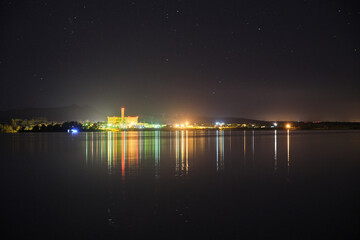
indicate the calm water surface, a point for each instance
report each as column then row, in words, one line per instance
column 184, row 184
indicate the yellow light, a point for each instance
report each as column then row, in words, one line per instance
column 187, row 123
column 288, row 126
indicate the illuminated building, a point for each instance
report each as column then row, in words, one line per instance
column 122, row 122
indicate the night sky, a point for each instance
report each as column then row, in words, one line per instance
column 270, row 60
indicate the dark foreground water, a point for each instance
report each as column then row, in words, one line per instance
column 185, row 184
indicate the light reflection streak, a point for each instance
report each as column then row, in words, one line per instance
column 101, row 148
column 182, row 153
column 137, row 152
column 123, row 136
column 157, row 154
column 141, row 143
column 245, row 147
column 187, row 152
column 170, row 137
column 92, row 147
column 219, row 150
column 109, row 154
column 230, row 140
column 177, row 166
column 253, row 146
column 114, row 146
column 194, row 144
column 97, row 147
column 288, row 150
column 275, row 150
column 86, row 148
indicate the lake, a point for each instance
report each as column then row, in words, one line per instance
column 182, row 184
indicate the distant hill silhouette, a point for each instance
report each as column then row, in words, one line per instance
column 178, row 118
column 59, row 114
column 229, row 120
column 84, row 113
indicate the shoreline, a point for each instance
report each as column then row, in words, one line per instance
column 197, row 130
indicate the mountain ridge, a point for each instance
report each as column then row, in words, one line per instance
column 75, row 112
column 57, row 114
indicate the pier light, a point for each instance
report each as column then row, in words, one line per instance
column 73, row 130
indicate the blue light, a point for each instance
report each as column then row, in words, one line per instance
column 74, row 130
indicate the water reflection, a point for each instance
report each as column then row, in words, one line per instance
column 182, row 153
column 122, row 151
column 132, row 153
column 288, row 149
column 253, row 147
column 157, row 154
column 244, row 147
column 275, row 150
column 86, row 148
column 219, row 150
column 96, row 179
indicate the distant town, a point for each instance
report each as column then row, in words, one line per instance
column 124, row 123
